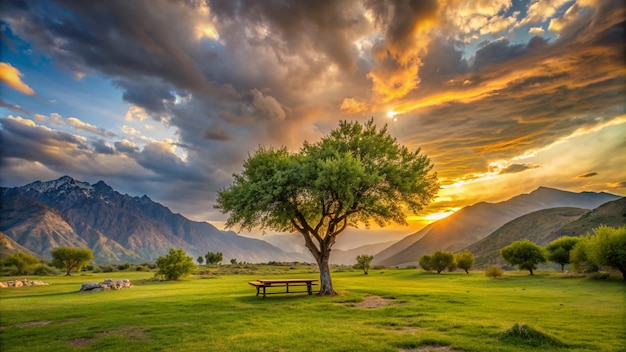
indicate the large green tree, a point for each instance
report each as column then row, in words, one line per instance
column 71, row 258
column 559, row 250
column 525, row 254
column 464, row 260
column 357, row 174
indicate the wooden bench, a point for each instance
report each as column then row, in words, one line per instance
column 262, row 285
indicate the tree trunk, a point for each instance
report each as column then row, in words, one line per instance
column 326, row 283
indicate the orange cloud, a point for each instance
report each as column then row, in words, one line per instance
column 11, row 76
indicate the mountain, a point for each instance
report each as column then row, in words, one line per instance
column 475, row 222
column 118, row 228
column 539, row 226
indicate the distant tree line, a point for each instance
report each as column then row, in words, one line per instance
column 442, row 260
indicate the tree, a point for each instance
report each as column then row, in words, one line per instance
column 71, row 258
column 22, row 261
column 525, row 254
column 233, row 261
column 175, row 265
column 441, row 261
column 357, row 174
column 610, row 247
column 200, row 259
column 581, row 257
column 464, row 260
column 425, row 263
column 559, row 250
column 363, row 261
column 214, row 258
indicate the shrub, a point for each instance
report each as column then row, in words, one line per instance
column 494, row 271
column 175, row 265
column 22, row 261
column 525, row 335
column 45, row 270
column 425, row 263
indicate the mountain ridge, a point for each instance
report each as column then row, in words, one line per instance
column 118, row 228
column 477, row 221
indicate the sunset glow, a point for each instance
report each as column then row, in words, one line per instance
column 168, row 98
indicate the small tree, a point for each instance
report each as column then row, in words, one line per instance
column 610, row 247
column 200, row 259
column 559, row 250
column 525, row 254
column 425, row 263
column 581, row 257
column 213, row 258
column 71, row 258
column 441, row 261
column 233, row 261
column 22, row 261
column 464, row 260
column 363, row 261
column 175, row 265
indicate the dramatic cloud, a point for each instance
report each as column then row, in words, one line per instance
column 590, row 174
column 490, row 90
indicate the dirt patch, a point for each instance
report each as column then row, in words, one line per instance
column 128, row 332
column 34, row 323
column 429, row 348
column 370, row 302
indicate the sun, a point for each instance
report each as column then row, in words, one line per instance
column 391, row 114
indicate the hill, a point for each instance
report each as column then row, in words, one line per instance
column 473, row 223
column 610, row 214
column 538, row 226
column 118, row 228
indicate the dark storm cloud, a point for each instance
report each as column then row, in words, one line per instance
column 149, row 93
column 22, row 139
column 101, row 147
column 126, row 147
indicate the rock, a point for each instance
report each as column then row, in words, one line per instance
column 22, row 283
column 108, row 284
column 90, row 286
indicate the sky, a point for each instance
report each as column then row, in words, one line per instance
column 168, row 98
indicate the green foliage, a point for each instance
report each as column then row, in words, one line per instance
column 581, row 256
column 524, row 254
column 213, row 258
column 425, row 263
column 200, row 259
column 363, row 262
column 494, row 271
column 525, row 335
column 358, row 174
column 610, row 247
column 559, row 250
column 71, row 259
column 175, row 265
column 464, row 260
column 233, row 261
column 45, row 270
column 22, row 261
column 441, row 260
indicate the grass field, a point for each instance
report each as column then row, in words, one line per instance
column 220, row 312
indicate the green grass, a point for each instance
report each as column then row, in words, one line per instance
column 219, row 312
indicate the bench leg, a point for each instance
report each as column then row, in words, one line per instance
column 257, row 290
column 308, row 288
column 263, row 291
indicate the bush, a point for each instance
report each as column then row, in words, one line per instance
column 525, row 335
column 175, row 265
column 45, row 270
column 494, row 271
column 104, row 269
